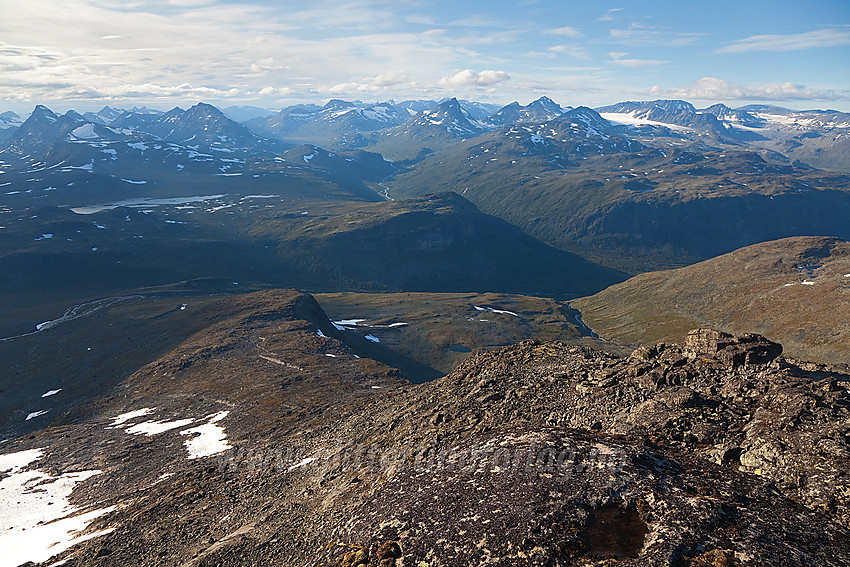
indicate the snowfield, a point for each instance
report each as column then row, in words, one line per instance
column 37, row 520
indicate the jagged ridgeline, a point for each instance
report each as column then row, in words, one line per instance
column 262, row 437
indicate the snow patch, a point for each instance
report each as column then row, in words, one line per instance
column 302, row 463
column 211, row 438
column 35, row 414
column 151, row 428
column 84, row 132
column 14, row 462
column 373, row 338
column 349, row 322
column 632, row 120
column 37, row 520
column 130, row 415
column 51, row 393
column 502, row 311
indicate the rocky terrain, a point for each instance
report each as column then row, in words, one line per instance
column 265, row 437
column 794, row 290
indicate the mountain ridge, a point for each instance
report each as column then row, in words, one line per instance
column 323, row 456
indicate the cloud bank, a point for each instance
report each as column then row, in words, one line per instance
column 470, row 78
column 711, row 88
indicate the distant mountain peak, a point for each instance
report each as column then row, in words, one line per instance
column 547, row 104
column 204, row 111
column 675, row 105
column 41, row 110
column 339, row 103
column 540, row 110
column 10, row 119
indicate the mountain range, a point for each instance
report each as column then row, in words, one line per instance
column 550, row 307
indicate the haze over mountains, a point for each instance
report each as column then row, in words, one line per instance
column 145, row 332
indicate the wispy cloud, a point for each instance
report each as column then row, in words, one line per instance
column 576, row 51
column 468, row 77
column 712, row 88
column 637, row 34
column 479, row 21
column 609, row 14
column 567, row 31
column 184, row 50
column 829, row 37
column 619, row 58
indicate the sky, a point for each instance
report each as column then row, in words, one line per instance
column 85, row 54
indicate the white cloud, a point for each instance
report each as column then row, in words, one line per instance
column 619, row 58
column 567, row 31
column 264, row 66
column 711, row 88
column 109, row 49
column 576, row 51
column 468, row 77
column 374, row 84
column 167, row 52
column 191, row 3
column 478, row 21
column 830, row 37
column 275, row 91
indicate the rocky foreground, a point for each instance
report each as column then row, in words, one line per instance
column 266, row 440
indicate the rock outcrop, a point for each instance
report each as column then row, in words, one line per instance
column 734, row 351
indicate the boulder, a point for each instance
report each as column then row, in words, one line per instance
column 732, row 350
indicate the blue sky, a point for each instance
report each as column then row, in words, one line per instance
column 84, row 54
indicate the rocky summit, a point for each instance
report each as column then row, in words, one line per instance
column 716, row 452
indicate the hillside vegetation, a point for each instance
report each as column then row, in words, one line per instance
column 795, row 291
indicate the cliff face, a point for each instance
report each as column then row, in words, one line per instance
column 717, row 452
